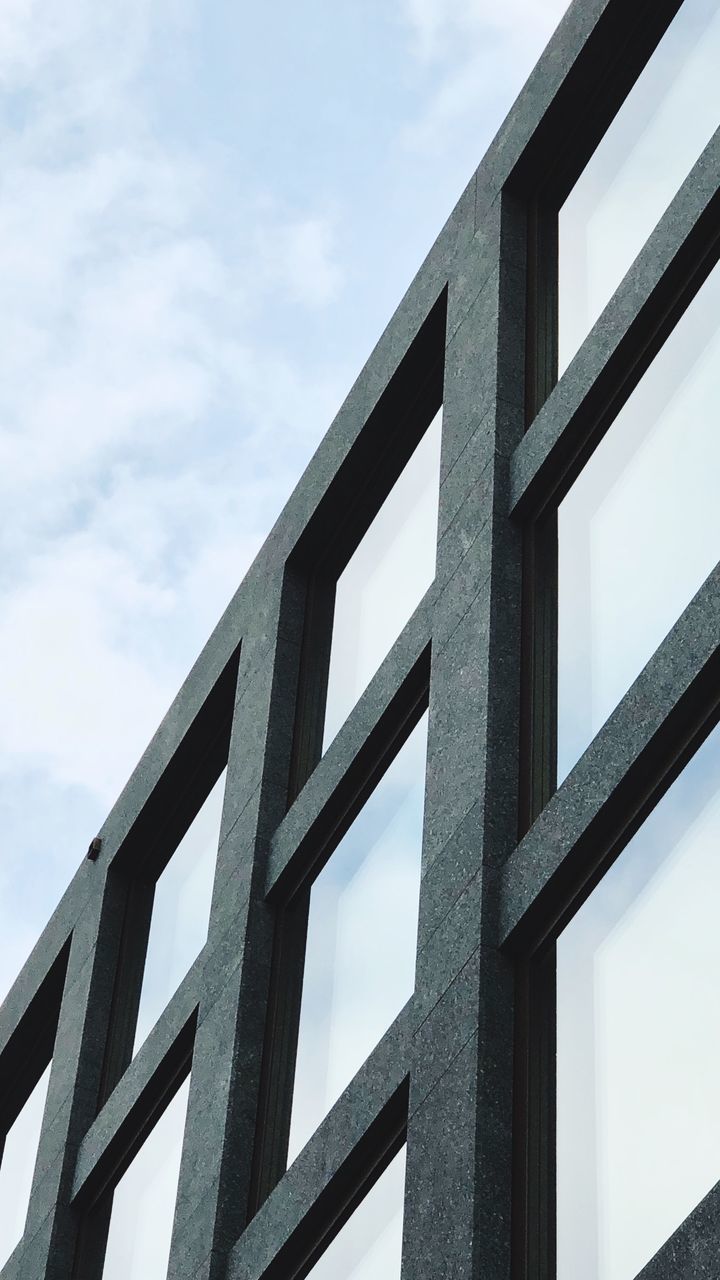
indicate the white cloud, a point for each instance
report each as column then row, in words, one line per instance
column 138, row 393
column 437, row 23
column 75, row 700
column 301, row 255
column 477, row 53
column 126, row 330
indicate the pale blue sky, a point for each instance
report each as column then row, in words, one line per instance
column 207, row 215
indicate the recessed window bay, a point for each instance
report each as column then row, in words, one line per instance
column 384, row 580
column 639, row 531
column 369, row 1246
column 638, row 1039
column 18, row 1153
column 143, row 1206
column 361, row 938
column 667, row 119
column 181, row 911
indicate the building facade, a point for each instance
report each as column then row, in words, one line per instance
column 396, row 956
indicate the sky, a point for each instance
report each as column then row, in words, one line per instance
column 208, row 213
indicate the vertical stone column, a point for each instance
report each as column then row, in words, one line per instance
column 51, row 1228
column 458, row 1193
column 218, row 1150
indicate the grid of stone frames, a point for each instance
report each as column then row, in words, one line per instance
column 465, row 1073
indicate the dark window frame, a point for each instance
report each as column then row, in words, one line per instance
column 534, row 1244
column 641, row 344
column 535, row 977
column 558, row 157
column 541, row 183
column 388, row 440
column 94, row 1205
column 30, row 1050
column 173, row 807
column 380, row 1143
column 290, row 900
column 536, row 967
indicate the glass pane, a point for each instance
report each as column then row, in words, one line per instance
column 661, row 129
column 640, row 529
column 638, row 1044
column 17, row 1165
column 369, row 1246
column 144, row 1201
column 181, row 911
column 385, row 580
column 362, row 931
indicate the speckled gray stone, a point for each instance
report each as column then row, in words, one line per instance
column 445, row 1066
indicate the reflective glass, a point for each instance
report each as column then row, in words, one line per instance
column 384, row 580
column 17, row 1165
column 181, row 911
column 143, row 1207
column 640, row 529
column 668, row 118
column 362, row 931
column 638, row 1038
column 369, row 1246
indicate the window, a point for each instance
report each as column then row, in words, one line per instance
column 17, row 1165
column 181, row 912
column 143, row 1204
column 361, row 938
column 638, row 1039
column 384, row 580
column 369, row 1246
column 639, row 530
column 665, row 122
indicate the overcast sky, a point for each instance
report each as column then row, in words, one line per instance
column 207, row 215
